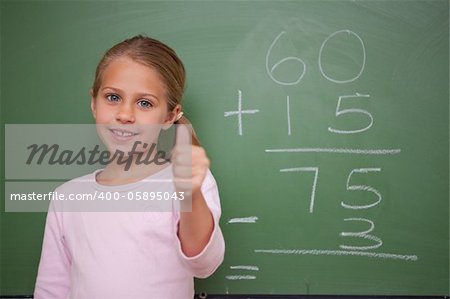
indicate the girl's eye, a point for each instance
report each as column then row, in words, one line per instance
column 145, row 104
column 113, row 97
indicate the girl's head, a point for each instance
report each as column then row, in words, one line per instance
column 163, row 75
column 153, row 54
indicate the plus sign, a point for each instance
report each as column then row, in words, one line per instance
column 239, row 112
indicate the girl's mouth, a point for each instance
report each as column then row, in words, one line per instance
column 122, row 135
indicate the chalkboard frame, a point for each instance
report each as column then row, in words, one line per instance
column 267, row 38
column 205, row 296
column 314, row 297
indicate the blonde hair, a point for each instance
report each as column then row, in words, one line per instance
column 156, row 55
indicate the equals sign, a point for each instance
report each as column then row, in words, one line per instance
column 242, row 277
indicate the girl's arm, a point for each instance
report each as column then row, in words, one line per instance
column 197, row 225
column 204, row 263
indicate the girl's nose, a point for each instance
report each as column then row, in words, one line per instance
column 125, row 113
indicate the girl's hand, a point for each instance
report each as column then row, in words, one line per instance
column 190, row 163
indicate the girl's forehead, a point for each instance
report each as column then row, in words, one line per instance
column 128, row 73
column 124, row 63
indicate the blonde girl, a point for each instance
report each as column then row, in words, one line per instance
column 135, row 255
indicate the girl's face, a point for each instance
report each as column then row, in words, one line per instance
column 131, row 104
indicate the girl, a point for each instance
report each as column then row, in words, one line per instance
column 139, row 82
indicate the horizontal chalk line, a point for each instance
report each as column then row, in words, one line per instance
column 230, row 113
column 238, row 277
column 336, row 151
column 244, row 267
column 243, row 220
column 339, row 252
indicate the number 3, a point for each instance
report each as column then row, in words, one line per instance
column 363, row 235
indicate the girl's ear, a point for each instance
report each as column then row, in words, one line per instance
column 172, row 117
column 93, row 108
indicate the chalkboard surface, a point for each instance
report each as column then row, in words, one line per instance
column 326, row 123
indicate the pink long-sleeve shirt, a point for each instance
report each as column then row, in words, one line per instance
column 122, row 255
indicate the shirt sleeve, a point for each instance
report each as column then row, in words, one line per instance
column 53, row 279
column 209, row 259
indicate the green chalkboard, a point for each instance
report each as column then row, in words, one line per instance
column 326, row 123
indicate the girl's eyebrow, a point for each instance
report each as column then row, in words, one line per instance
column 142, row 94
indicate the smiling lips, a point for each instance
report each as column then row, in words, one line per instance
column 122, row 135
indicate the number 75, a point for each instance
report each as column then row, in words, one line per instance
column 349, row 187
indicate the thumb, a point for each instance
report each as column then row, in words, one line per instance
column 183, row 135
column 182, row 154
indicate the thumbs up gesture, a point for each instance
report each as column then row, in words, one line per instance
column 190, row 163
column 190, row 166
